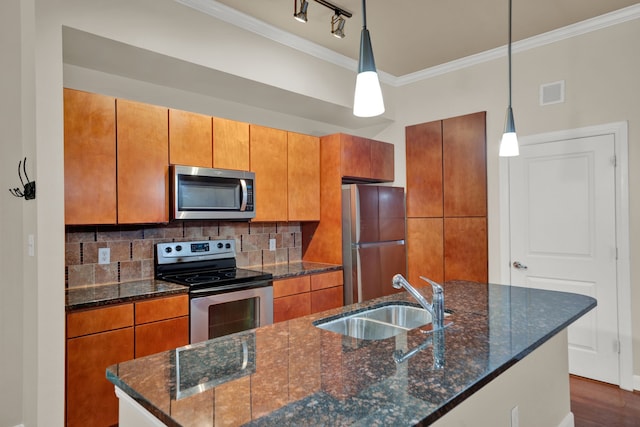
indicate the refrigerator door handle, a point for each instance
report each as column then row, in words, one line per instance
column 378, row 244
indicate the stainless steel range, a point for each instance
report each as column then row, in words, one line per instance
column 224, row 299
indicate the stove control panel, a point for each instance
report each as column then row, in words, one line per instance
column 195, row 250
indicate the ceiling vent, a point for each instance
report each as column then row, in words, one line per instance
column 552, row 93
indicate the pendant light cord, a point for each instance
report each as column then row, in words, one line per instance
column 364, row 14
column 509, row 52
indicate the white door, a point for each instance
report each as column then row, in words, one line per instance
column 562, row 221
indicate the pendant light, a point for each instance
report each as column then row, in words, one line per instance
column 509, row 143
column 367, row 100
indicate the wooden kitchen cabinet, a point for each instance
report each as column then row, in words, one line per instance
column 230, row 144
column 301, row 295
column 100, row 337
column 303, row 177
column 96, row 339
column 190, row 139
column 382, row 161
column 424, row 170
column 143, row 161
column 89, row 158
column 161, row 324
column 464, row 155
column 327, row 291
column 365, row 159
column 447, row 199
column 465, row 249
column 268, row 154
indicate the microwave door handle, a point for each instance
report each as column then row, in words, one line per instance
column 243, row 203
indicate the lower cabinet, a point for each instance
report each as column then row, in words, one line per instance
column 301, row 295
column 100, row 337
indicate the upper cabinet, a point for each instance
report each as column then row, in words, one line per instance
column 364, row 159
column 303, row 177
column 424, row 169
column 89, row 158
column 143, row 160
column 268, row 153
column 230, row 144
column 190, row 139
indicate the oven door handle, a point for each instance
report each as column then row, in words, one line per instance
column 243, row 203
column 242, row 287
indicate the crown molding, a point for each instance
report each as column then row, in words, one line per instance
column 232, row 16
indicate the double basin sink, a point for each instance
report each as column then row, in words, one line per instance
column 378, row 322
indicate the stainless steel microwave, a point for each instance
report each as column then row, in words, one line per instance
column 207, row 193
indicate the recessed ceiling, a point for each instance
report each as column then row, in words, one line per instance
column 413, row 35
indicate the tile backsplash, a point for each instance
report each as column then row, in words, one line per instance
column 131, row 247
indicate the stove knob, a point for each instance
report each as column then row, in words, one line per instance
column 178, row 248
column 228, row 246
column 220, row 245
column 168, row 249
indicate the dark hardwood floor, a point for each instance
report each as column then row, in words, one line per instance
column 603, row 405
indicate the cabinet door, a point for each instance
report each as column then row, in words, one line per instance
column 143, row 161
column 425, row 249
column 160, row 336
column 326, row 299
column 268, row 152
column 190, row 140
column 89, row 158
column 465, row 253
column 290, row 307
column 230, row 144
column 465, row 165
column 355, row 156
column 90, row 397
column 382, row 161
column 303, row 173
column 424, row 170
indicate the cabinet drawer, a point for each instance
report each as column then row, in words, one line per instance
column 291, row 286
column 161, row 336
column 99, row 320
column 290, row 307
column 326, row 280
column 325, row 299
column 161, row 309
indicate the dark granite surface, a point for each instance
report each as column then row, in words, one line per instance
column 118, row 293
column 300, row 268
column 293, row 373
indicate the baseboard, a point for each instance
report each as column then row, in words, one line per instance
column 568, row 421
column 636, row 382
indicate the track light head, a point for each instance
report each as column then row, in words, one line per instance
column 337, row 26
column 301, row 15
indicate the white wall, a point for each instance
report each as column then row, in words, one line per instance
column 11, row 278
column 600, row 70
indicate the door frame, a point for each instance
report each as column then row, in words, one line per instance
column 623, row 266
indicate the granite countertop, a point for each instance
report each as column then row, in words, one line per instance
column 299, row 268
column 118, row 293
column 293, row 373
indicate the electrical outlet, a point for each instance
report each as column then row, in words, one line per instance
column 515, row 417
column 272, row 244
column 104, row 255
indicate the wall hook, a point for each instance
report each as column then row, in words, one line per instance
column 29, row 189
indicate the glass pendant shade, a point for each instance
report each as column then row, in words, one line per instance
column 509, row 142
column 367, row 100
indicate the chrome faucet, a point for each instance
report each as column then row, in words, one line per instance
column 436, row 308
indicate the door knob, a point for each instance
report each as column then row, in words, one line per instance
column 519, row 265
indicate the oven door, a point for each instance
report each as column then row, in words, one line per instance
column 213, row 316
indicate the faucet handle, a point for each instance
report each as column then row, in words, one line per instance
column 437, row 288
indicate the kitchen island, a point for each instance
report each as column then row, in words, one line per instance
column 504, row 355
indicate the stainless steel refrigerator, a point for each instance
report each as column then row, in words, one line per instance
column 373, row 240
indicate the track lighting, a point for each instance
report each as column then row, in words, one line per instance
column 302, row 14
column 509, row 142
column 337, row 26
column 337, row 21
